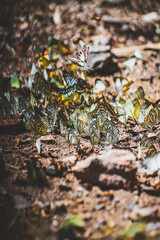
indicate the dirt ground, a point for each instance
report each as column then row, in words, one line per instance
column 41, row 195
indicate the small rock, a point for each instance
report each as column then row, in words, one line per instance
column 112, row 168
column 69, row 159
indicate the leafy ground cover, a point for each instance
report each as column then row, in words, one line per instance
column 79, row 120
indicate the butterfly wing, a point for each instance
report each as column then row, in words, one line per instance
column 73, row 138
column 86, row 52
column 95, row 138
column 83, row 54
column 77, row 60
column 87, row 129
column 99, row 86
column 81, row 57
column 68, row 92
column 111, row 127
column 111, row 138
column 70, row 79
column 73, row 59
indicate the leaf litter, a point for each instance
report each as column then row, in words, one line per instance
column 67, row 118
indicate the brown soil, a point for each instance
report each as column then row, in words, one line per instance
column 31, row 210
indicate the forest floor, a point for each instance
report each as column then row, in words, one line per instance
column 70, row 198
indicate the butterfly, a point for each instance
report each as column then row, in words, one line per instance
column 99, row 87
column 111, row 132
column 151, row 117
column 146, row 142
column 111, row 127
column 63, row 129
column 92, row 131
column 80, row 125
column 73, row 138
column 81, row 58
column 95, row 138
column 73, row 81
column 44, row 60
column 111, row 138
column 91, row 128
column 101, row 118
column 122, row 84
column 140, row 93
column 152, row 151
column 70, row 79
